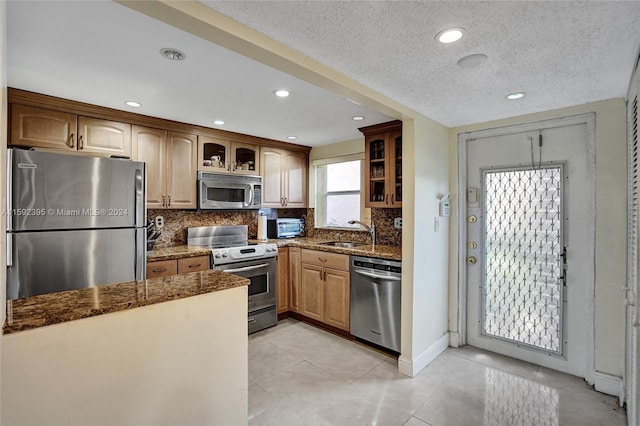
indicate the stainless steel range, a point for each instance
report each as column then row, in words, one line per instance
column 231, row 252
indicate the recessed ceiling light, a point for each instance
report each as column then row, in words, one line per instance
column 133, row 104
column 292, row 137
column 281, row 93
column 357, row 118
column 472, row 60
column 516, row 95
column 450, row 35
column 218, row 122
column 173, row 54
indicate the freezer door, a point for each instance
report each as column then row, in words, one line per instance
column 54, row 191
column 48, row 262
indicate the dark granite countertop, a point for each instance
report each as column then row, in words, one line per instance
column 379, row 251
column 178, row 252
column 54, row 308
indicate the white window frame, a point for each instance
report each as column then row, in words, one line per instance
column 320, row 188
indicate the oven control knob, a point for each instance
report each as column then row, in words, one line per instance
column 217, row 256
column 224, row 254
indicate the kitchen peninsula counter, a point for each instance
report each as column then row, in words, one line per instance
column 54, row 308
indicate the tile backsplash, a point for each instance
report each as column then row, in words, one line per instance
column 174, row 232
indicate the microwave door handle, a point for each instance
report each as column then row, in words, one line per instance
column 250, row 196
column 247, row 268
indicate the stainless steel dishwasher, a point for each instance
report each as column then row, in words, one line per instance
column 375, row 301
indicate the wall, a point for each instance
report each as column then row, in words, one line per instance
column 179, row 362
column 424, row 250
column 611, row 213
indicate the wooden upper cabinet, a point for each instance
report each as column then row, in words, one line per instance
column 181, row 170
column 213, row 154
column 31, row 126
column 103, row 136
column 271, row 161
column 383, row 165
column 284, row 178
column 295, row 180
column 245, row 158
column 171, row 167
column 43, row 128
column 150, row 147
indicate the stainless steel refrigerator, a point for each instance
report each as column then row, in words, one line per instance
column 73, row 222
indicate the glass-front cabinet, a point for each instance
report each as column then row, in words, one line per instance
column 225, row 156
column 383, row 165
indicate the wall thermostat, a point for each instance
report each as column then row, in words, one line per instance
column 445, row 206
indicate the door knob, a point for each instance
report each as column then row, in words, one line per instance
column 473, row 245
column 472, row 260
column 473, row 219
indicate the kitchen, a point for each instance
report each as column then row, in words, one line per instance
column 432, row 175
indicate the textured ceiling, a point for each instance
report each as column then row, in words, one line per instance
column 562, row 53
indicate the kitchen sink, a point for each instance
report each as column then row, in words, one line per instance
column 344, row 244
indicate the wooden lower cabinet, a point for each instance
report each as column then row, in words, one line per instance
column 283, row 280
column 336, row 298
column 295, row 279
column 325, row 290
column 312, row 292
column 163, row 268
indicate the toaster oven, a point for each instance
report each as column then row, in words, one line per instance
column 285, row 228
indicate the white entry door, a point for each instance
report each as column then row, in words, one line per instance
column 530, row 242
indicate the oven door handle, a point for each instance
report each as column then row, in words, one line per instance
column 375, row 276
column 246, row 268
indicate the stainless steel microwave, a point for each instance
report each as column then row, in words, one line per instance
column 229, row 192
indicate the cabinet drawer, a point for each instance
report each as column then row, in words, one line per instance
column 162, row 268
column 326, row 259
column 193, row 264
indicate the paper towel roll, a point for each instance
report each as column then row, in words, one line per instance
column 262, row 227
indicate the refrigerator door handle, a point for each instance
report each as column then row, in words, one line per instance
column 140, row 206
column 9, row 249
column 141, row 254
column 9, row 206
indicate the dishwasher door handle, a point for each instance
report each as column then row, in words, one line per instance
column 380, row 277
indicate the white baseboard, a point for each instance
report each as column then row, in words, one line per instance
column 609, row 384
column 411, row 367
column 454, row 339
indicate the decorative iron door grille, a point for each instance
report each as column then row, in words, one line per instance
column 523, row 259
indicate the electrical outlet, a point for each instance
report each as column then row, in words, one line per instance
column 397, row 223
column 159, row 222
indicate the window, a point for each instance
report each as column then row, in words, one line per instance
column 338, row 194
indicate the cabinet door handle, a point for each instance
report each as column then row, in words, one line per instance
column 392, row 198
column 160, row 270
column 386, row 201
column 195, row 266
column 163, row 200
column 72, row 142
column 169, row 202
column 320, row 272
column 322, row 259
column 286, row 201
column 80, row 144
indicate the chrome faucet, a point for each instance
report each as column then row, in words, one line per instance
column 371, row 229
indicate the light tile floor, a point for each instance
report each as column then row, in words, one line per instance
column 301, row 375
